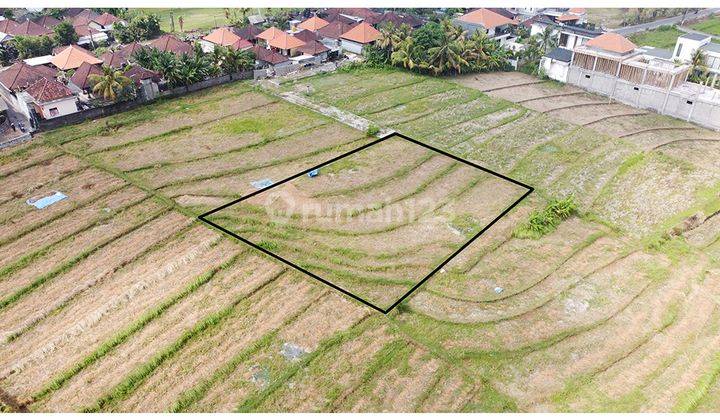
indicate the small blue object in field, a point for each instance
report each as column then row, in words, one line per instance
column 43, row 202
column 262, row 183
column 314, row 173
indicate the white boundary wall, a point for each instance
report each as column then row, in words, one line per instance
column 668, row 102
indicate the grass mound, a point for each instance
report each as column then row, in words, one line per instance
column 542, row 222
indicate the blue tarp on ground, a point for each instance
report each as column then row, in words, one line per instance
column 261, row 183
column 43, row 202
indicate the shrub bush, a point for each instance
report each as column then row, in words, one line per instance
column 542, row 222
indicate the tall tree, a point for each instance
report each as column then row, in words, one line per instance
column 110, row 84
column 65, row 33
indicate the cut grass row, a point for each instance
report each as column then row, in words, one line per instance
column 126, row 387
column 68, row 264
column 44, row 279
column 122, row 336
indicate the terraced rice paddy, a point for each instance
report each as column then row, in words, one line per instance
column 118, row 299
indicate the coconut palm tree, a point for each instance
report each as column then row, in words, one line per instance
column 547, row 39
column 109, row 84
column 449, row 54
column 404, row 54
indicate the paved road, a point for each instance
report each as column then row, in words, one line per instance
column 628, row 30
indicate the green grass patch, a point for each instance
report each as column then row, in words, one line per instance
column 709, row 26
column 662, row 37
column 542, row 222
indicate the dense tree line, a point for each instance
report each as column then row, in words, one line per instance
column 187, row 69
column 437, row 48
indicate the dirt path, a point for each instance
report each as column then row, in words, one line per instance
column 345, row 117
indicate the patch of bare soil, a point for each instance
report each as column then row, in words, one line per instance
column 449, row 394
column 240, row 280
column 555, row 105
column 589, row 113
column 63, row 338
column 400, row 388
column 548, row 91
column 281, row 150
column 14, row 159
column 30, row 180
column 331, row 376
column 327, row 317
column 126, row 135
column 284, row 299
column 705, row 234
column 691, row 314
column 88, row 273
column 627, row 126
column 69, row 224
column 83, row 190
column 494, row 80
column 78, row 243
column 703, row 154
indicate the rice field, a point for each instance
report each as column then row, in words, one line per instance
column 117, row 299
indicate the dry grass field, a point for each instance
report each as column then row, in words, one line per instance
column 118, row 299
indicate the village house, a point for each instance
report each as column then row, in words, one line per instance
column 613, row 66
column 47, row 21
column 7, row 27
column 313, row 24
column 488, row 22
column 330, row 35
column 171, row 44
column 18, row 77
column 30, row 28
column 223, row 37
column 357, row 38
column 81, row 78
column 248, row 33
column 50, row 98
column 687, row 44
column 280, row 40
column 72, row 57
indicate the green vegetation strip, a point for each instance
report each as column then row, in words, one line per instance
column 138, row 376
column 133, row 328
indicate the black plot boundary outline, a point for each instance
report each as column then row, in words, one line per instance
column 204, row 219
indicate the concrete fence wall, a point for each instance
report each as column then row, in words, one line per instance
column 672, row 103
column 94, row 113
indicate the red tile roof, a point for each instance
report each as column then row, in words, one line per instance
column 172, row 44
column 280, row 39
column 72, row 57
column 106, row 19
column 269, row 56
column 7, row 26
column 578, row 10
column 138, row 73
column 305, row 35
column 86, row 30
column 568, row 18
column 48, row 90
column 397, row 20
column 334, row 30
column 486, row 18
column 21, row 75
column 30, row 28
column 313, row 48
column 249, row 32
column 360, row 12
column 113, row 59
column 222, row 36
column 241, row 44
column 363, row 33
column 81, row 77
column 610, row 41
column 47, row 21
column 313, row 24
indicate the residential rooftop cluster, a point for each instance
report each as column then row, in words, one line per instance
column 62, row 81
